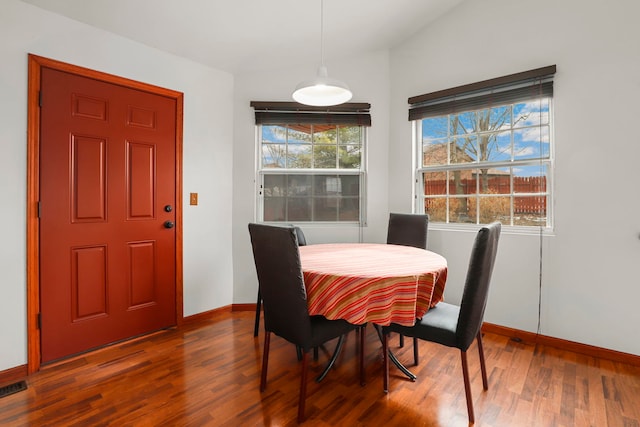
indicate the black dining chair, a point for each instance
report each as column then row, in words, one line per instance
column 408, row 230
column 457, row 326
column 277, row 260
column 302, row 241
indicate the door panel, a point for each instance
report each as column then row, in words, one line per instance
column 88, row 182
column 107, row 169
column 88, row 283
column 142, row 278
column 141, row 183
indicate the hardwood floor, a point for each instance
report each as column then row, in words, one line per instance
column 208, row 373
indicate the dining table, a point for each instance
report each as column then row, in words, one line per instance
column 372, row 283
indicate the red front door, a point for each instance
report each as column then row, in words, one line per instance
column 107, row 207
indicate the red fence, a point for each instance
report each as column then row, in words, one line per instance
column 497, row 185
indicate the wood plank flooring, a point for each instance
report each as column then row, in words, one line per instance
column 208, row 373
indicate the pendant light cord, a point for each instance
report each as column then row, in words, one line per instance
column 322, row 33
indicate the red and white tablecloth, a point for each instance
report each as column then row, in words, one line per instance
column 377, row 283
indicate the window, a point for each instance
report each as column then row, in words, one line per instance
column 484, row 151
column 311, row 164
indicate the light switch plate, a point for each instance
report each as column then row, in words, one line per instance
column 193, row 199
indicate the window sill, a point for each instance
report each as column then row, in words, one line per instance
column 506, row 229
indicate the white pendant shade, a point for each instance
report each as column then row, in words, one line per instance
column 322, row 91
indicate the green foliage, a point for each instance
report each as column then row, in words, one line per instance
column 333, row 148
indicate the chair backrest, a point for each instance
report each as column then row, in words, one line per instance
column 302, row 240
column 277, row 259
column 408, row 230
column 476, row 287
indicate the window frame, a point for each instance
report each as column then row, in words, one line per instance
column 426, row 102
column 361, row 172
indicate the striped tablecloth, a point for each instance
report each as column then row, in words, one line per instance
column 377, row 283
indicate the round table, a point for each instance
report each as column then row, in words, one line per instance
column 368, row 282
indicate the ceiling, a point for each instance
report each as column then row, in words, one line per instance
column 249, row 35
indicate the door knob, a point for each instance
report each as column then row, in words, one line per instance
column 168, row 224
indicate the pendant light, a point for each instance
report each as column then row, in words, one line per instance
column 323, row 90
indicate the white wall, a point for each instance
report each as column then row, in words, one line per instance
column 590, row 289
column 208, row 117
column 368, row 78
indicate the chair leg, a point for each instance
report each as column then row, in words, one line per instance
column 303, row 386
column 362, row 336
column 467, row 386
column 415, row 351
column 333, row 359
column 401, row 344
column 483, row 367
column 258, row 307
column 265, row 361
column 385, row 362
